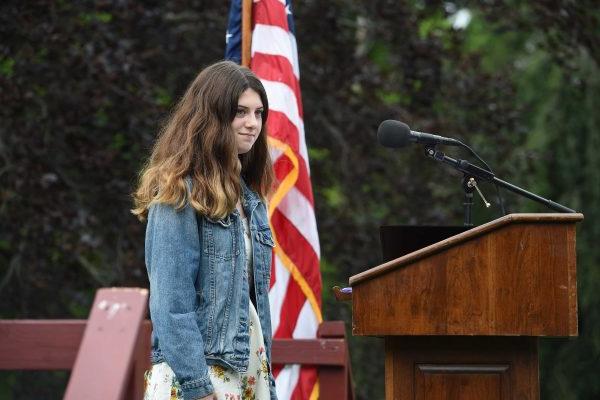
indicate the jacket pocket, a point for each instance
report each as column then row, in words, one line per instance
column 265, row 237
column 219, row 236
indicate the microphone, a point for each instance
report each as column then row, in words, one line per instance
column 397, row 134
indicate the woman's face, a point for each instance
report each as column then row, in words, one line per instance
column 247, row 122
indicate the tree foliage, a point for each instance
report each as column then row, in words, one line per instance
column 84, row 87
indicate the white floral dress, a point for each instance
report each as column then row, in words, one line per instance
column 161, row 383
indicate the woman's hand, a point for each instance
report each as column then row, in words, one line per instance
column 209, row 397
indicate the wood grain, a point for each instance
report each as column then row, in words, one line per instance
column 458, row 367
column 515, row 276
column 465, row 236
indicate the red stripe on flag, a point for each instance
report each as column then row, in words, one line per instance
column 270, row 12
column 283, row 166
column 281, row 128
column 294, row 299
column 277, row 68
column 276, row 370
column 299, row 250
column 290, row 310
column 306, row 381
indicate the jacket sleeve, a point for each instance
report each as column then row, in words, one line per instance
column 173, row 258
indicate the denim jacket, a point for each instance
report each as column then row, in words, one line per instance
column 199, row 291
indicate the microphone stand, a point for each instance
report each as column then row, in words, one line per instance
column 473, row 171
column 468, row 204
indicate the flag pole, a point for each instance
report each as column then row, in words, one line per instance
column 246, row 32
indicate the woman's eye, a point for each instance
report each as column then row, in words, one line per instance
column 258, row 114
column 240, row 112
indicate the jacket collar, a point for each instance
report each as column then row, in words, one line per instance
column 251, row 199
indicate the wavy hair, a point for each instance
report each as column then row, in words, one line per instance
column 198, row 141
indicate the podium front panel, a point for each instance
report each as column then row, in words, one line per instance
column 461, row 368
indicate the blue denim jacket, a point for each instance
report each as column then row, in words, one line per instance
column 199, row 292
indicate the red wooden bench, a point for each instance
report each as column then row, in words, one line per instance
column 109, row 352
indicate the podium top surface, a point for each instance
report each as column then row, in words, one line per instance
column 463, row 237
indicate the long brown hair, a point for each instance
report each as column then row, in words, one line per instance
column 198, row 141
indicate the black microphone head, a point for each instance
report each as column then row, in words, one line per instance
column 393, row 133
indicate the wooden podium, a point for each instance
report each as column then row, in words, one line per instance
column 461, row 318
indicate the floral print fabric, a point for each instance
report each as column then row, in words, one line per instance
column 161, row 383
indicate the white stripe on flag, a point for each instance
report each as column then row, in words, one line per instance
column 275, row 153
column 273, row 40
column 287, row 380
column 296, row 207
column 282, row 98
column 306, row 327
column 294, row 54
column 277, row 292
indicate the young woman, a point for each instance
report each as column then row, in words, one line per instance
column 208, row 242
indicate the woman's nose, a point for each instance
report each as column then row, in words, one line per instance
column 251, row 120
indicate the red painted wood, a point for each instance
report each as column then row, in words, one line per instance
column 332, row 329
column 39, row 344
column 141, row 363
column 54, row 344
column 310, row 351
column 106, row 355
column 335, row 382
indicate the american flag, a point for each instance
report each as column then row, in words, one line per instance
column 295, row 293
